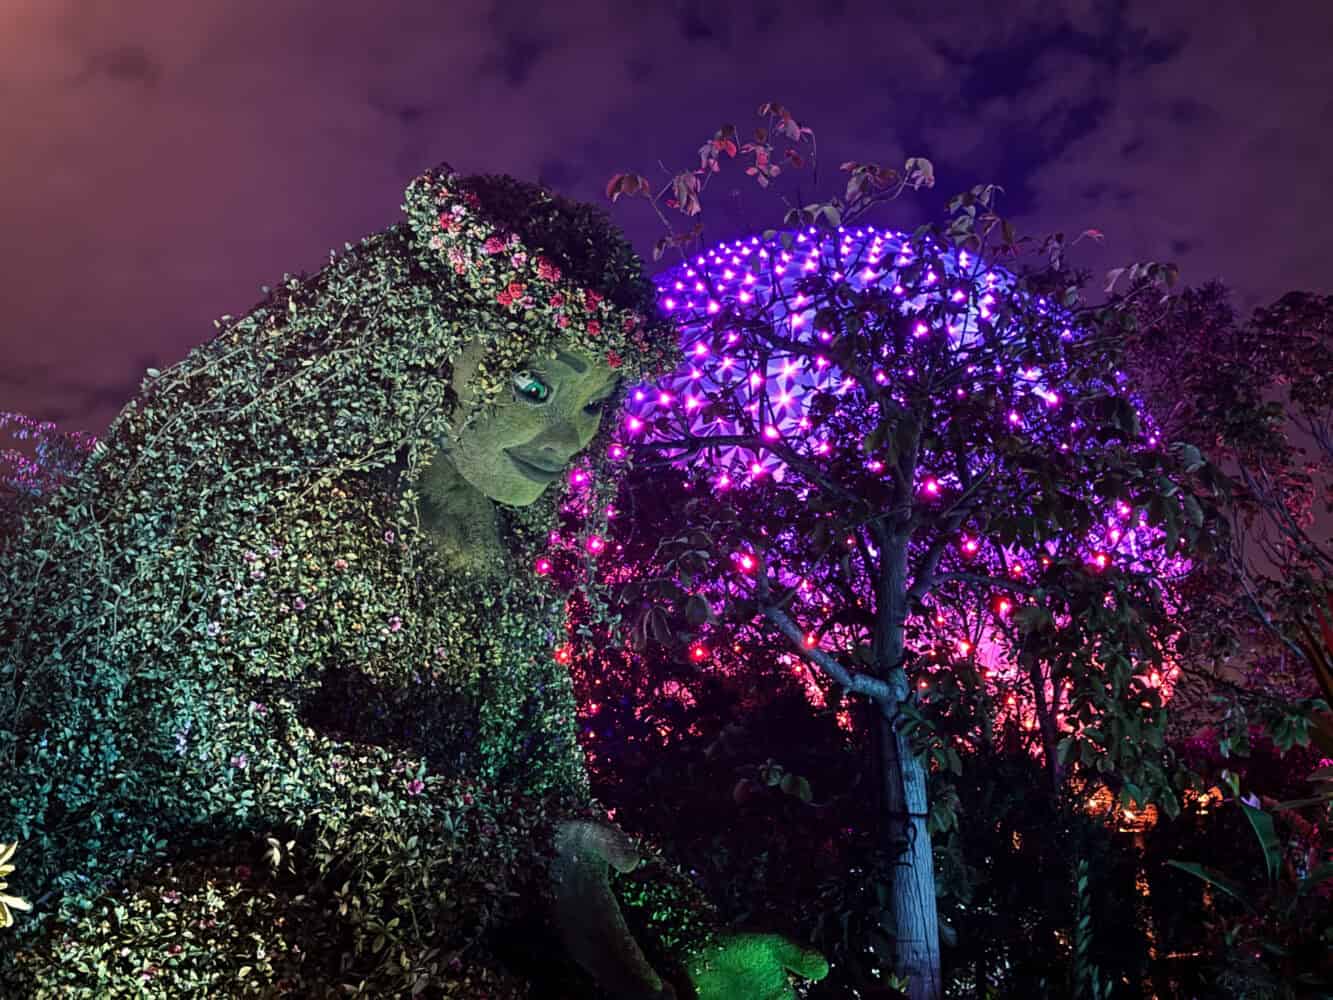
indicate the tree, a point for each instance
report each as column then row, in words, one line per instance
column 1253, row 398
column 32, row 471
column 880, row 427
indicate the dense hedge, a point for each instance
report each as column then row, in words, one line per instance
column 255, row 736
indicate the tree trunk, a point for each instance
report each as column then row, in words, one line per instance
column 1046, row 724
column 915, row 918
column 917, row 929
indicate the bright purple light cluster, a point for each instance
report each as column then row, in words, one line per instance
column 772, row 281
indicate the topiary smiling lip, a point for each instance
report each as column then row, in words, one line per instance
column 532, row 470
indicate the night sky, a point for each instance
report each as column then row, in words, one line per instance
column 161, row 161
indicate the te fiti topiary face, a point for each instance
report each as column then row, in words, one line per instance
column 521, row 443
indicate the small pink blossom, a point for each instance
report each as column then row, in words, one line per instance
column 592, row 299
column 546, row 270
column 561, row 320
column 298, row 604
column 340, row 564
column 395, row 624
column 511, row 294
column 416, row 786
column 594, row 328
column 493, row 245
column 389, row 536
column 240, row 761
column 518, row 259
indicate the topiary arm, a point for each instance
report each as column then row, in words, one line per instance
column 588, row 917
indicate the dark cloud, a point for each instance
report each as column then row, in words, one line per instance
column 162, row 161
column 132, row 65
column 517, row 55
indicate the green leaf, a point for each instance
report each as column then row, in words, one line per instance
column 1263, row 829
column 1192, row 510
column 1215, row 879
column 697, row 610
column 797, row 787
column 1192, row 457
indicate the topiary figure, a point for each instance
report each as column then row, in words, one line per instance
column 279, row 714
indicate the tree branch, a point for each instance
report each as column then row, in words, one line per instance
column 859, row 683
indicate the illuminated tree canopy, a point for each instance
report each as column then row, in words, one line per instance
column 933, row 482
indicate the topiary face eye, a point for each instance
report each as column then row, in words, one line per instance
column 528, row 386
